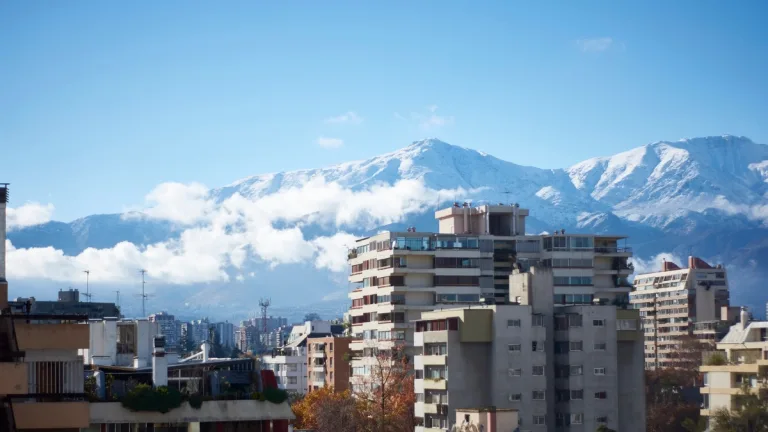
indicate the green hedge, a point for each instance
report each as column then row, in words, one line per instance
column 145, row 398
column 276, row 396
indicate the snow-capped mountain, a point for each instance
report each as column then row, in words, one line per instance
column 702, row 195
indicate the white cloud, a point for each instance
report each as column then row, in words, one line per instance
column 349, row 117
column 330, row 142
column 654, row 263
column 29, row 214
column 430, row 119
column 595, row 44
column 222, row 238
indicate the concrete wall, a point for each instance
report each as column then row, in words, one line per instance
column 51, row 415
column 13, row 378
column 51, row 336
column 631, row 368
column 210, row 411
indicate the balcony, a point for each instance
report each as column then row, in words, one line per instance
column 610, row 250
column 14, row 378
column 52, row 415
column 209, row 412
column 318, row 354
column 50, row 335
column 435, row 384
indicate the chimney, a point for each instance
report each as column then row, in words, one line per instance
column 744, row 318
column 692, row 262
column 159, row 363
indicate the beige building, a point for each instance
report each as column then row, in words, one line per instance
column 743, row 360
column 677, row 302
column 328, row 360
column 576, row 366
column 41, row 374
column 395, row 276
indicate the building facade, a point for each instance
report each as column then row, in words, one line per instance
column 671, row 303
column 743, row 362
column 41, row 374
column 68, row 303
column 169, row 327
column 225, row 332
column 395, row 276
column 575, row 367
column 328, row 362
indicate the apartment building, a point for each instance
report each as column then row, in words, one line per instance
column 575, row 367
column 671, row 303
column 67, row 303
column 290, row 362
column 41, row 375
column 395, row 276
column 328, row 362
column 743, row 360
column 225, row 333
column 170, row 327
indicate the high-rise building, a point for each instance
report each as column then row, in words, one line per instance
column 679, row 302
column 196, row 331
column 41, row 374
column 575, row 367
column 397, row 275
column 170, row 327
column 225, row 332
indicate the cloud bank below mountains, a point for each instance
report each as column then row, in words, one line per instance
column 219, row 239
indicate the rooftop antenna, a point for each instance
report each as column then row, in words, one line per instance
column 118, row 298
column 143, row 294
column 506, row 194
column 264, row 304
column 87, row 285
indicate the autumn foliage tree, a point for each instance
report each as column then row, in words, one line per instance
column 387, row 398
column 383, row 401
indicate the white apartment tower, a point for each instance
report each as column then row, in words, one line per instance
column 675, row 301
column 396, row 276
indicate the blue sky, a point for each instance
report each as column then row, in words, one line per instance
column 101, row 101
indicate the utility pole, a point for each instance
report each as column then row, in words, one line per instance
column 87, row 285
column 143, row 295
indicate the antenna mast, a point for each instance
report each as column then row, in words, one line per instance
column 143, row 295
column 118, row 298
column 87, row 285
column 264, row 304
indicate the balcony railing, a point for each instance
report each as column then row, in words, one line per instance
column 611, row 249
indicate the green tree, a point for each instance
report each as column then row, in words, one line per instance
column 749, row 413
column 312, row 316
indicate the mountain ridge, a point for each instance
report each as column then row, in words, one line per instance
column 706, row 193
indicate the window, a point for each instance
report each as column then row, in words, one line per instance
column 576, row 346
column 539, row 420
column 601, row 395
column 599, row 346
column 538, row 370
column 513, row 323
column 577, row 394
column 330, row 347
column 599, row 371
column 292, row 380
column 537, row 346
column 574, row 320
column 577, row 418
column 626, row 324
column 706, row 379
column 331, row 376
column 515, row 372
column 435, row 349
column 575, row 371
column 538, row 321
column 515, row 348
column 601, row 419
column 515, row 397
column 561, row 347
column 538, row 395
column 331, row 362
column 598, row 323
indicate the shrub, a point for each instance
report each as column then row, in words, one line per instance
column 276, row 396
column 196, row 400
column 716, row 359
column 145, row 398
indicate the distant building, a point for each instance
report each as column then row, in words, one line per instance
column 170, row 327
column 289, row 362
column 225, row 333
column 196, row 331
column 68, row 303
column 247, row 338
column 678, row 302
column 328, row 362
